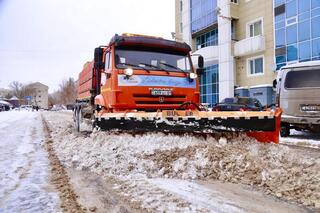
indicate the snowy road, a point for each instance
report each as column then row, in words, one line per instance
column 24, row 164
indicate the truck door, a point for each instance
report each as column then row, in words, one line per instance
column 106, row 76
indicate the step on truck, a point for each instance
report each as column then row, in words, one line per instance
column 141, row 84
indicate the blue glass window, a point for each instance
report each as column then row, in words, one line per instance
column 292, row 53
column 280, row 59
column 291, row 34
column 304, row 31
column 304, row 51
column 304, row 5
column 291, row 8
column 304, row 16
column 280, row 17
column 315, row 26
column 280, row 24
column 316, row 48
column 202, row 14
column 315, row 12
column 207, row 39
column 278, row 2
column 209, row 85
column 280, row 38
column 315, row 3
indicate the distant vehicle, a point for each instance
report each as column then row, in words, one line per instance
column 5, row 106
column 238, row 104
column 58, row 107
column 298, row 94
column 26, row 107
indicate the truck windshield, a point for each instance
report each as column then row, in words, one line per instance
column 138, row 59
column 302, row 79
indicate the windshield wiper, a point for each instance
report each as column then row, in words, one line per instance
column 134, row 65
column 172, row 66
column 157, row 67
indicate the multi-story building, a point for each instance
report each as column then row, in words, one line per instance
column 245, row 42
column 39, row 95
column 297, row 31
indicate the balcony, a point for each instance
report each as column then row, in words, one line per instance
column 249, row 46
column 210, row 55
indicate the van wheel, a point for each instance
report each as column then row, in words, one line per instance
column 285, row 130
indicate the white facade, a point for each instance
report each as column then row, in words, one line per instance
column 221, row 53
column 39, row 93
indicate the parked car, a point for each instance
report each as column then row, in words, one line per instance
column 298, row 95
column 26, row 107
column 238, row 104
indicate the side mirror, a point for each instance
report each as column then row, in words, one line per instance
column 98, row 56
column 200, row 62
column 200, row 71
column 274, row 83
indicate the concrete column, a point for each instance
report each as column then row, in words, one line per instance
column 186, row 22
column 226, row 60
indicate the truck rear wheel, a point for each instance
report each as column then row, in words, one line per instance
column 285, row 130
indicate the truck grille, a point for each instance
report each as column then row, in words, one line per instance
column 155, row 100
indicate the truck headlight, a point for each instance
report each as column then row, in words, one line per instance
column 128, row 71
column 193, row 75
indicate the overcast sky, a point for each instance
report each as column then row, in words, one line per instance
column 50, row 40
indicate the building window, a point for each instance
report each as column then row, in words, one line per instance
column 255, row 28
column 234, row 1
column 255, row 65
column 202, row 14
column 209, row 85
column 181, row 27
column 207, row 39
column 297, row 32
column 181, row 6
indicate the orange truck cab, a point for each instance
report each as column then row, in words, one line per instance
column 144, row 73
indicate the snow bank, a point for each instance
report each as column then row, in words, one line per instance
column 287, row 173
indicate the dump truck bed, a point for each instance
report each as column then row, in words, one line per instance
column 85, row 82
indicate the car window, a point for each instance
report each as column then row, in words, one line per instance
column 244, row 101
column 302, row 79
column 228, row 100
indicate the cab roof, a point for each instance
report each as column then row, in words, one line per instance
column 302, row 64
column 134, row 40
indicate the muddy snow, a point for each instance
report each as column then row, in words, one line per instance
column 158, row 172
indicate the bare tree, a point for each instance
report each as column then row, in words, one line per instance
column 54, row 98
column 66, row 94
column 16, row 87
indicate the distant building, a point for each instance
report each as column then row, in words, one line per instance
column 245, row 42
column 39, row 95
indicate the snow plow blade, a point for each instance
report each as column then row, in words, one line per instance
column 262, row 125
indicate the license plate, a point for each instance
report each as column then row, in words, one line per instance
column 310, row 108
column 157, row 92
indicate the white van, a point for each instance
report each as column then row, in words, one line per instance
column 298, row 94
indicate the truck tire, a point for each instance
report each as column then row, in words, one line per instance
column 285, row 130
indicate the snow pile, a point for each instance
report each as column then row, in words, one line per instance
column 301, row 138
column 279, row 170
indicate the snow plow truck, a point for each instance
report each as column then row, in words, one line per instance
column 141, row 84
